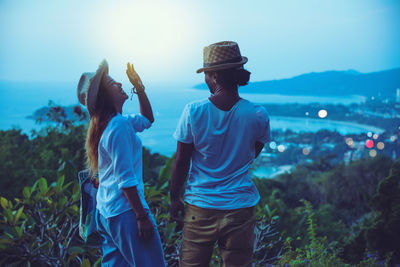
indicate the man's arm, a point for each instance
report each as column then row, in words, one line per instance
column 180, row 170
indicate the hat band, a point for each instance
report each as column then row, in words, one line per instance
column 232, row 60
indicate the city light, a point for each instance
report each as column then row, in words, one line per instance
column 380, row 145
column 375, row 136
column 322, row 113
column 372, row 153
column 272, row 145
column 369, row 143
column 349, row 141
column 306, row 151
column 281, row 148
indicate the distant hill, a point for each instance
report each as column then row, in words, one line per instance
column 329, row 83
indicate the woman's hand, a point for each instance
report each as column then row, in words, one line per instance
column 134, row 78
column 145, row 228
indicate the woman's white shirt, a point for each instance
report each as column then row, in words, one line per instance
column 120, row 163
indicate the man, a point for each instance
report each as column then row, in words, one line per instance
column 218, row 139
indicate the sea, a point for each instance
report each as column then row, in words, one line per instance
column 18, row 100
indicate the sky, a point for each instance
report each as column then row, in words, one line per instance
column 47, row 40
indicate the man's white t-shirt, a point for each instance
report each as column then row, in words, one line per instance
column 224, row 149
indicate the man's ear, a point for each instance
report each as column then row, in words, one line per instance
column 214, row 77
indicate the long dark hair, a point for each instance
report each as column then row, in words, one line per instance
column 103, row 113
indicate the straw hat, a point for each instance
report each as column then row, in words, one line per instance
column 222, row 55
column 88, row 86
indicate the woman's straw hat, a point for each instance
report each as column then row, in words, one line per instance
column 222, row 55
column 88, row 87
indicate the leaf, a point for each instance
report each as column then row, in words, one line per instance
column 60, row 182
column 268, row 210
column 9, row 216
column 97, row 263
column 66, row 186
column 77, row 249
column 19, row 213
column 62, row 167
column 18, row 230
column 42, row 185
column 4, row 202
column 9, row 235
column 62, row 202
column 165, row 172
column 33, row 188
column 85, row 263
column 26, row 192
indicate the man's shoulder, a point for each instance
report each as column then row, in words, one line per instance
column 251, row 107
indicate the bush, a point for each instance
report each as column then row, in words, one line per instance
column 40, row 229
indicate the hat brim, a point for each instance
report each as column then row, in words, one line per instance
column 94, row 86
column 224, row 66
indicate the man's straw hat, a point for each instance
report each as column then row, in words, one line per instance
column 222, row 55
column 88, row 87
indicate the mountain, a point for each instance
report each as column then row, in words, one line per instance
column 329, row 83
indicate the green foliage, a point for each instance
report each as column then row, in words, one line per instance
column 380, row 235
column 318, row 252
column 354, row 203
column 24, row 159
column 340, row 195
column 40, row 228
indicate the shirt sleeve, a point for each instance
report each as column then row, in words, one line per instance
column 138, row 122
column 183, row 132
column 121, row 151
column 264, row 132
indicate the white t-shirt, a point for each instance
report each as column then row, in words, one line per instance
column 120, row 163
column 224, row 149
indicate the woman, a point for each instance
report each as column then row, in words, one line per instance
column 114, row 151
column 218, row 139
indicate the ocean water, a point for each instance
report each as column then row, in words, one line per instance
column 19, row 100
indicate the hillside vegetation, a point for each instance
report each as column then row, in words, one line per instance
column 318, row 215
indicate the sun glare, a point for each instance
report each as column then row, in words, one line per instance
column 147, row 33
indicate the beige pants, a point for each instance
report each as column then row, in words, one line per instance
column 233, row 230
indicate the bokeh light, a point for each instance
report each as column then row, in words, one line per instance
column 380, row 145
column 393, row 138
column 281, row 148
column 307, row 113
column 369, row 134
column 349, row 141
column 272, row 145
column 372, row 153
column 306, row 151
column 322, row 113
column 375, row 136
column 369, row 143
